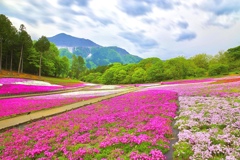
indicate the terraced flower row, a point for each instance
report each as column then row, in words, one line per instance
column 206, row 89
column 132, row 126
column 9, row 89
column 9, row 86
column 15, row 106
column 189, row 81
column 209, row 128
column 11, row 80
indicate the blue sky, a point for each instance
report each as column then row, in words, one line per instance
column 147, row 28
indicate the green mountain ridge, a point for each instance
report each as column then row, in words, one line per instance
column 93, row 54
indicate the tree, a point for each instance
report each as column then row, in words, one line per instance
column 26, row 42
column 78, row 66
column 93, row 77
column 51, row 61
column 107, row 77
column 139, row 75
column 234, row 52
column 176, row 68
column 221, row 57
column 218, row 69
column 42, row 45
column 1, row 39
column 61, row 66
column 5, row 29
column 65, row 66
column 12, row 44
column 148, row 62
column 155, row 71
column 234, row 58
column 33, row 59
column 201, row 60
column 120, row 75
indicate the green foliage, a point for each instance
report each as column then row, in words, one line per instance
column 233, row 55
column 139, row 75
column 217, row 141
column 177, row 68
column 144, row 147
column 42, row 44
column 149, row 62
column 154, row 70
column 161, row 145
column 221, row 57
column 75, row 147
column 218, row 69
column 200, row 72
column 2, row 148
column 20, row 53
column 38, row 156
column 88, row 157
column 236, row 132
column 182, row 151
column 62, row 158
column 107, row 77
column 25, row 43
column 5, row 30
column 201, row 60
column 64, row 52
column 78, row 67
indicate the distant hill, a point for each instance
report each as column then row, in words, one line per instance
column 64, row 40
column 93, row 54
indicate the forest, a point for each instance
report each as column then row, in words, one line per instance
column 156, row 70
column 18, row 52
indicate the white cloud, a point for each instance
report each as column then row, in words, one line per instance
column 142, row 27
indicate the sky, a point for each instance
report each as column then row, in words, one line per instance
column 146, row 28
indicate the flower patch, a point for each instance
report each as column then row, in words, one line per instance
column 130, row 126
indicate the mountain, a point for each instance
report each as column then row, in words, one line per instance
column 93, row 54
column 64, row 40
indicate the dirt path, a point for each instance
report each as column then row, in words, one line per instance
column 31, row 116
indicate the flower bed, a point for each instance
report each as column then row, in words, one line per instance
column 11, row 86
column 132, row 126
column 189, row 81
column 9, row 89
column 204, row 89
column 209, row 128
column 14, row 106
column 208, row 121
column 17, row 106
column 11, row 80
column 228, row 80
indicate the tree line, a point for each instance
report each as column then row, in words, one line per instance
column 18, row 52
column 155, row 70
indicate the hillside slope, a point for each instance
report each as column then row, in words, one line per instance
column 93, row 54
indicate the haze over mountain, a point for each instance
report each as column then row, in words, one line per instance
column 93, row 54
